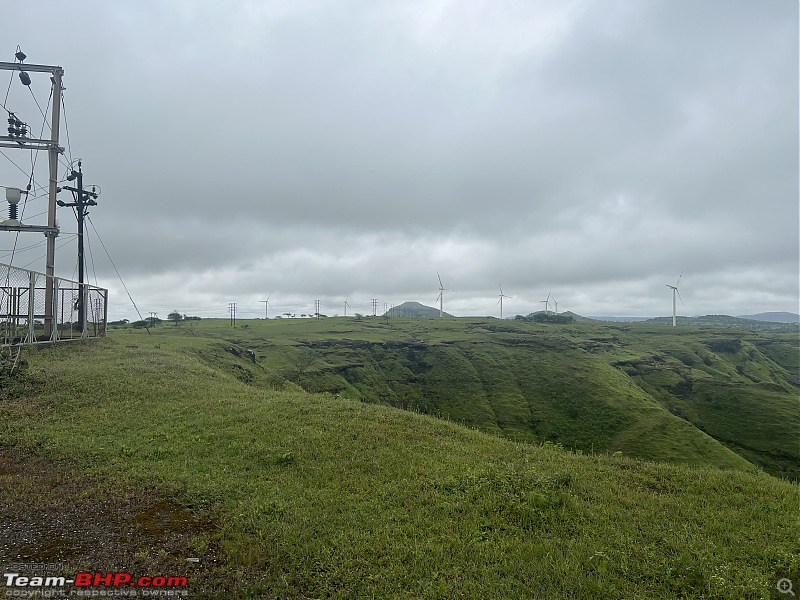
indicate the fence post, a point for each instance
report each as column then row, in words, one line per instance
column 31, row 305
column 54, row 335
column 105, row 312
column 83, row 292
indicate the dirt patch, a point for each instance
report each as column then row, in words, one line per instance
column 52, row 515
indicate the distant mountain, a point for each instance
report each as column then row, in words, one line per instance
column 619, row 319
column 774, row 317
column 415, row 309
column 728, row 321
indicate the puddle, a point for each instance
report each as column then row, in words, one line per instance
column 167, row 517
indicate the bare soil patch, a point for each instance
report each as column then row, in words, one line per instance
column 52, row 515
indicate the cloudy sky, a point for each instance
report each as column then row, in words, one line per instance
column 320, row 149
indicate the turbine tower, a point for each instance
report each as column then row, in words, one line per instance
column 502, row 295
column 546, row 304
column 440, row 297
column 266, row 305
column 346, row 305
column 556, row 303
column 674, row 306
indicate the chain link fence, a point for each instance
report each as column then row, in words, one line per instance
column 33, row 309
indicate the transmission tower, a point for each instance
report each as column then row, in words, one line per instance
column 18, row 139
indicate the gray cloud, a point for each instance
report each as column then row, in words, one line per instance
column 324, row 150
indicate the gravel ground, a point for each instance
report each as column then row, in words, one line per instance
column 65, row 522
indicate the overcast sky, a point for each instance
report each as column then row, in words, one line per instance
column 592, row 149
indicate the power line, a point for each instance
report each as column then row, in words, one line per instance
column 91, row 257
column 10, row 80
column 41, row 257
column 66, row 128
column 37, row 103
column 116, row 270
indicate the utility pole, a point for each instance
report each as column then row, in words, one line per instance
column 83, row 200
column 232, row 309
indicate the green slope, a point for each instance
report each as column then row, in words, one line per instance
column 319, row 496
column 643, row 390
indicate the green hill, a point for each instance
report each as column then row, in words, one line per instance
column 415, row 310
column 281, row 493
column 714, row 397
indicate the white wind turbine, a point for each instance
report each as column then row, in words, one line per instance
column 502, row 295
column 440, row 297
column 674, row 306
column 346, row 305
column 546, row 304
column 556, row 303
column 266, row 305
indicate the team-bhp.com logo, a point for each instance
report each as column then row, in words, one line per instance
column 150, row 586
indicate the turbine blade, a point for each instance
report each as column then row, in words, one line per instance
column 679, row 295
column 440, row 280
column 548, row 296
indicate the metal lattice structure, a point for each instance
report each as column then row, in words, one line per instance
column 26, row 318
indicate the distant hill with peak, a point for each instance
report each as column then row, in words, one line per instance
column 415, row 309
column 774, row 317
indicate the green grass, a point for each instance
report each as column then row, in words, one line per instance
column 640, row 389
column 323, row 496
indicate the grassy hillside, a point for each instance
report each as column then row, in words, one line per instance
column 715, row 397
column 318, row 496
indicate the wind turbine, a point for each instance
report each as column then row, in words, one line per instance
column 502, row 295
column 442, row 290
column 556, row 303
column 266, row 305
column 346, row 305
column 674, row 307
column 546, row 304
